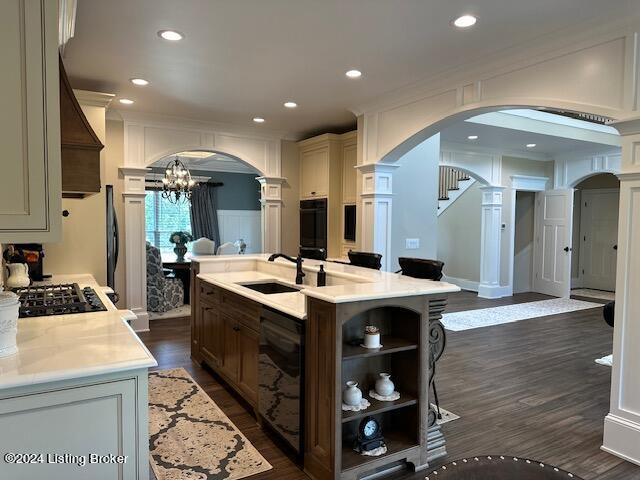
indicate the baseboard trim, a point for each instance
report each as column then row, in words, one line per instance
column 622, row 438
column 463, row 283
column 494, row 291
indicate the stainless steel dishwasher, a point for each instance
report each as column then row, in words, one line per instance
column 281, row 375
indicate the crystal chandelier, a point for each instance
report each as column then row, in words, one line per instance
column 177, row 182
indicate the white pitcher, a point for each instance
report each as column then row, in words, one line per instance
column 18, row 275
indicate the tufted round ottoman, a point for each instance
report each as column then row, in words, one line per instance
column 498, row 467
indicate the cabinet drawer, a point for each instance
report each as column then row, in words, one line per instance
column 241, row 309
column 209, row 293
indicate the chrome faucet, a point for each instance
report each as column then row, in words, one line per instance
column 297, row 261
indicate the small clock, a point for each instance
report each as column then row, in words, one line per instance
column 369, row 435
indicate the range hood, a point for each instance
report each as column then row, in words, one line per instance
column 80, row 146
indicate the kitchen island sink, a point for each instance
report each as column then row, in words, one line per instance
column 270, row 288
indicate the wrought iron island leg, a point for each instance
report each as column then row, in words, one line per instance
column 436, row 444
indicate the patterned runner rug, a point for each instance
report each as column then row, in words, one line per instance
column 486, row 317
column 190, row 437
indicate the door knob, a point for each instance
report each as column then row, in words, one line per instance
column 615, row 247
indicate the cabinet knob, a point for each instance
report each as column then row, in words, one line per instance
column 236, row 328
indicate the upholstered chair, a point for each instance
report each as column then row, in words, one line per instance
column 228, row 248
column 203, row 246
column 163, row 293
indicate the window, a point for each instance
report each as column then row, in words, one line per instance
column 162, row 218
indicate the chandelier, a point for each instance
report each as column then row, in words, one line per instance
column 177, row 182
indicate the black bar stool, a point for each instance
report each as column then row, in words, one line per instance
column 365, row 259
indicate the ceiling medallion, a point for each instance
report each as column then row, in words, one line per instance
column 177, row 182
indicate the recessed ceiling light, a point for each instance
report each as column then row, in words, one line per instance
column 290, row 104
column 531, row 145
column 171, row 35
column 258, row 119
column 354, row 74
column 126, row 101
column 139, row 81
column 472, row 137
column 465, row 21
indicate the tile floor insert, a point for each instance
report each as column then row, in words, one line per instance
column 607, row 360
column 487, row 317
column 589, row 293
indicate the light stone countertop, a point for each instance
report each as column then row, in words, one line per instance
column 345, row 283
column 65, row 347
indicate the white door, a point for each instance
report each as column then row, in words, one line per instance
column 552, row 254
column 599, row 238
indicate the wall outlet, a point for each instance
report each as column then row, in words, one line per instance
column 412, row 243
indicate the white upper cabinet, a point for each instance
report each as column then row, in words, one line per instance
column 349, row 174
column 314, row 172
column 30, row 184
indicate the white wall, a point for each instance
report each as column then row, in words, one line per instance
column 415, row 202
column 459, row 237
column 523, row 245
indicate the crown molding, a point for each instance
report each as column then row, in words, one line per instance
column 502, row 152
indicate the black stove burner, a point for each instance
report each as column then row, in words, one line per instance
column 58, row 300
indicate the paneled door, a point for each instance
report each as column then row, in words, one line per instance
column 30, row 184
column 552, row 252
column 599, row 238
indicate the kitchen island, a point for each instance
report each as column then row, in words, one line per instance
column 77, row 387
column 236, row 298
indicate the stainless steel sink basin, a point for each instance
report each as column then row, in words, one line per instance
column 269, row 288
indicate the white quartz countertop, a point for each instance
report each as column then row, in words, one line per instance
column 64, row 347
column 345, row 283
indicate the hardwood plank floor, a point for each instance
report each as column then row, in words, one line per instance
column 529, row 388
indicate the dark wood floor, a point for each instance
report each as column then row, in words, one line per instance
column 528, row 389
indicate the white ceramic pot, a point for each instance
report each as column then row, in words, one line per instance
column 372, row 340
column 352, row 395
column 9, row 308
column 18, row 275
column 384, row 385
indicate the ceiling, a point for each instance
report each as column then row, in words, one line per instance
column 513, row 142
column 245, row 58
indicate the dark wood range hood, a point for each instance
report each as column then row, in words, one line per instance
column 80, row 146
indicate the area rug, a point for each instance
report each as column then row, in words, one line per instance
column 190, row 437
column 607, row 360
column 599, row 294
column 498, row 467
column 486, row 317
column 447, row 416
column 181, row 311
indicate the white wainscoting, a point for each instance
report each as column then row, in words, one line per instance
column 245, row 224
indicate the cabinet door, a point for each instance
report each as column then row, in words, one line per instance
column 349, row 178
column 248, row 340
column 212, row 334
column 30, row 184
column 314, row 173
column 230, row 356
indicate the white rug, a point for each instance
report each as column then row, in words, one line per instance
column 182, row 311
column 607, row 361
column 487, row 317
column 600, row 294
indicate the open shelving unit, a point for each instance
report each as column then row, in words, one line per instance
column 400, row 357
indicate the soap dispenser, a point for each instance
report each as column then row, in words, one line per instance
column 322, row 277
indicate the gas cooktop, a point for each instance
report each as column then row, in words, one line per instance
column 45, row 300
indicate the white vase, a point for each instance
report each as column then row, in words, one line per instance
column 372, row 340
column 18, row 275
column 9, row 309
column 384, row 385
column 352, row 395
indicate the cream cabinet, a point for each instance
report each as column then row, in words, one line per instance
column 349, row 162
column 30, row 184
column 314, row 171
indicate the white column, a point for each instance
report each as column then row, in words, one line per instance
column 491, row 223
column 135, row 252
column 622, row 424
column 271, row 212
column 376, row 205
